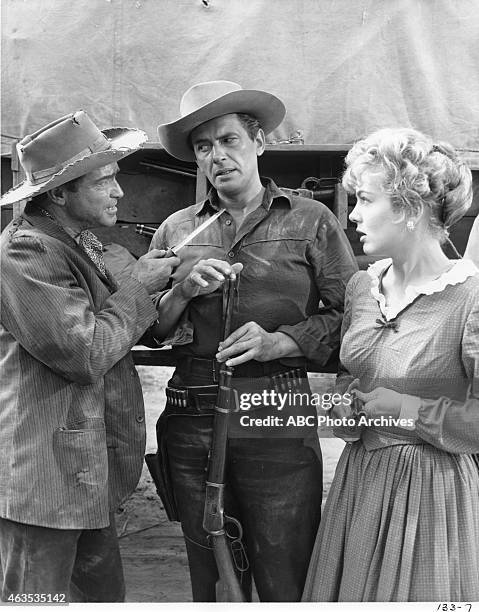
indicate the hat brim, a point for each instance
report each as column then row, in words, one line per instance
column 265, row 107
column 124, row 141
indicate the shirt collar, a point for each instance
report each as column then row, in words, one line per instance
column 272, row 194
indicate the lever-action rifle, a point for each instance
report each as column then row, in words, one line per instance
column 228, row 587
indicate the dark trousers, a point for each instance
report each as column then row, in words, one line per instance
column 274, row 488
column 85, row 565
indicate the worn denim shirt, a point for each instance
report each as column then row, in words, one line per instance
column 296, row 264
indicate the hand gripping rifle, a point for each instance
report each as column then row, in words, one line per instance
column 228, row 587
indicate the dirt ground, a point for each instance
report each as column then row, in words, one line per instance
column 153, row 552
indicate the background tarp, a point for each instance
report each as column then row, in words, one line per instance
column 343, row 67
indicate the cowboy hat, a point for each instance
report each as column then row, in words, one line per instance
column 206, row 101
column 67, row 149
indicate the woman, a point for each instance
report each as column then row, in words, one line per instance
column 401, row 522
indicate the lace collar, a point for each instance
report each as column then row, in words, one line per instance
column 461, row 270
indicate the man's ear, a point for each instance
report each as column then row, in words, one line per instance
column 260, row 140
column 57, row 195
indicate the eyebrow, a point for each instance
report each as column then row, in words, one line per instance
column 107, row 176
column 362, row 192
column 218, row 136
column 199, row 141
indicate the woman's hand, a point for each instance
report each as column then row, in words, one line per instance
column 380, row 402
column 344, row 409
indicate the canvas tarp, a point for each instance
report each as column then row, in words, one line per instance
column 342, row 67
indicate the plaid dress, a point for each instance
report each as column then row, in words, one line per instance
column 401, row 522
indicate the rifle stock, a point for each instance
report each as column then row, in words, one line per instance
column 228, row 587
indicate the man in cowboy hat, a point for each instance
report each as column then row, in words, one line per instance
column 293, row 254
column 71, row 416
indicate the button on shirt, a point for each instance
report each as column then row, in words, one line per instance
column 296, row 264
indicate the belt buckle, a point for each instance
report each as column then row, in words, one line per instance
column 197, row 401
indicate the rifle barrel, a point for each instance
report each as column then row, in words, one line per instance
column 228, row 585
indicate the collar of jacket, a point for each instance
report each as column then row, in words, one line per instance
column 38, row 220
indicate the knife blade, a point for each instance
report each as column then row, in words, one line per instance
column 173, row 251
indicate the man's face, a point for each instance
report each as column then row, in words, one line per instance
column 94, row 203
column 226, row 154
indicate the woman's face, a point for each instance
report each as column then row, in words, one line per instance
column 381, row 229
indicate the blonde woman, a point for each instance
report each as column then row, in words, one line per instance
column 401, row 522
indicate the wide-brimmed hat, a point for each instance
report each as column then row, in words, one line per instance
column 67, row 149
column 206, row 101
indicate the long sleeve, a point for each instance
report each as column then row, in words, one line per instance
column 333, row 264
column 47, row 305
column 160, row 241
column 182, row 331
column 344, row 378
column 451, row 425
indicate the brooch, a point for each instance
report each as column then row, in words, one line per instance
column 387, row 324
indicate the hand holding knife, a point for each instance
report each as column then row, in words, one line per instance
column 206, row 275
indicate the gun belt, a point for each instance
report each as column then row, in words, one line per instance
column 202, row 399
column 196, row 366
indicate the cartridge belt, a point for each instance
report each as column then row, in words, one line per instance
column 202, row 399
column 197, row 366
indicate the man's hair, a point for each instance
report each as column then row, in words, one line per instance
column 73, row 184
column 42, row 199
column 250, row 124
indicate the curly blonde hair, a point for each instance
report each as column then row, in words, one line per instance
column 416, row 172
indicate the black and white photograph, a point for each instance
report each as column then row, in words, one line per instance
column 239, row 303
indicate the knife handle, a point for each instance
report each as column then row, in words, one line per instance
column 170, row 253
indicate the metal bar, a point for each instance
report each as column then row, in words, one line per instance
column 187, row 173
column 340, row 205
column 145, row 230
column 18, row 176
